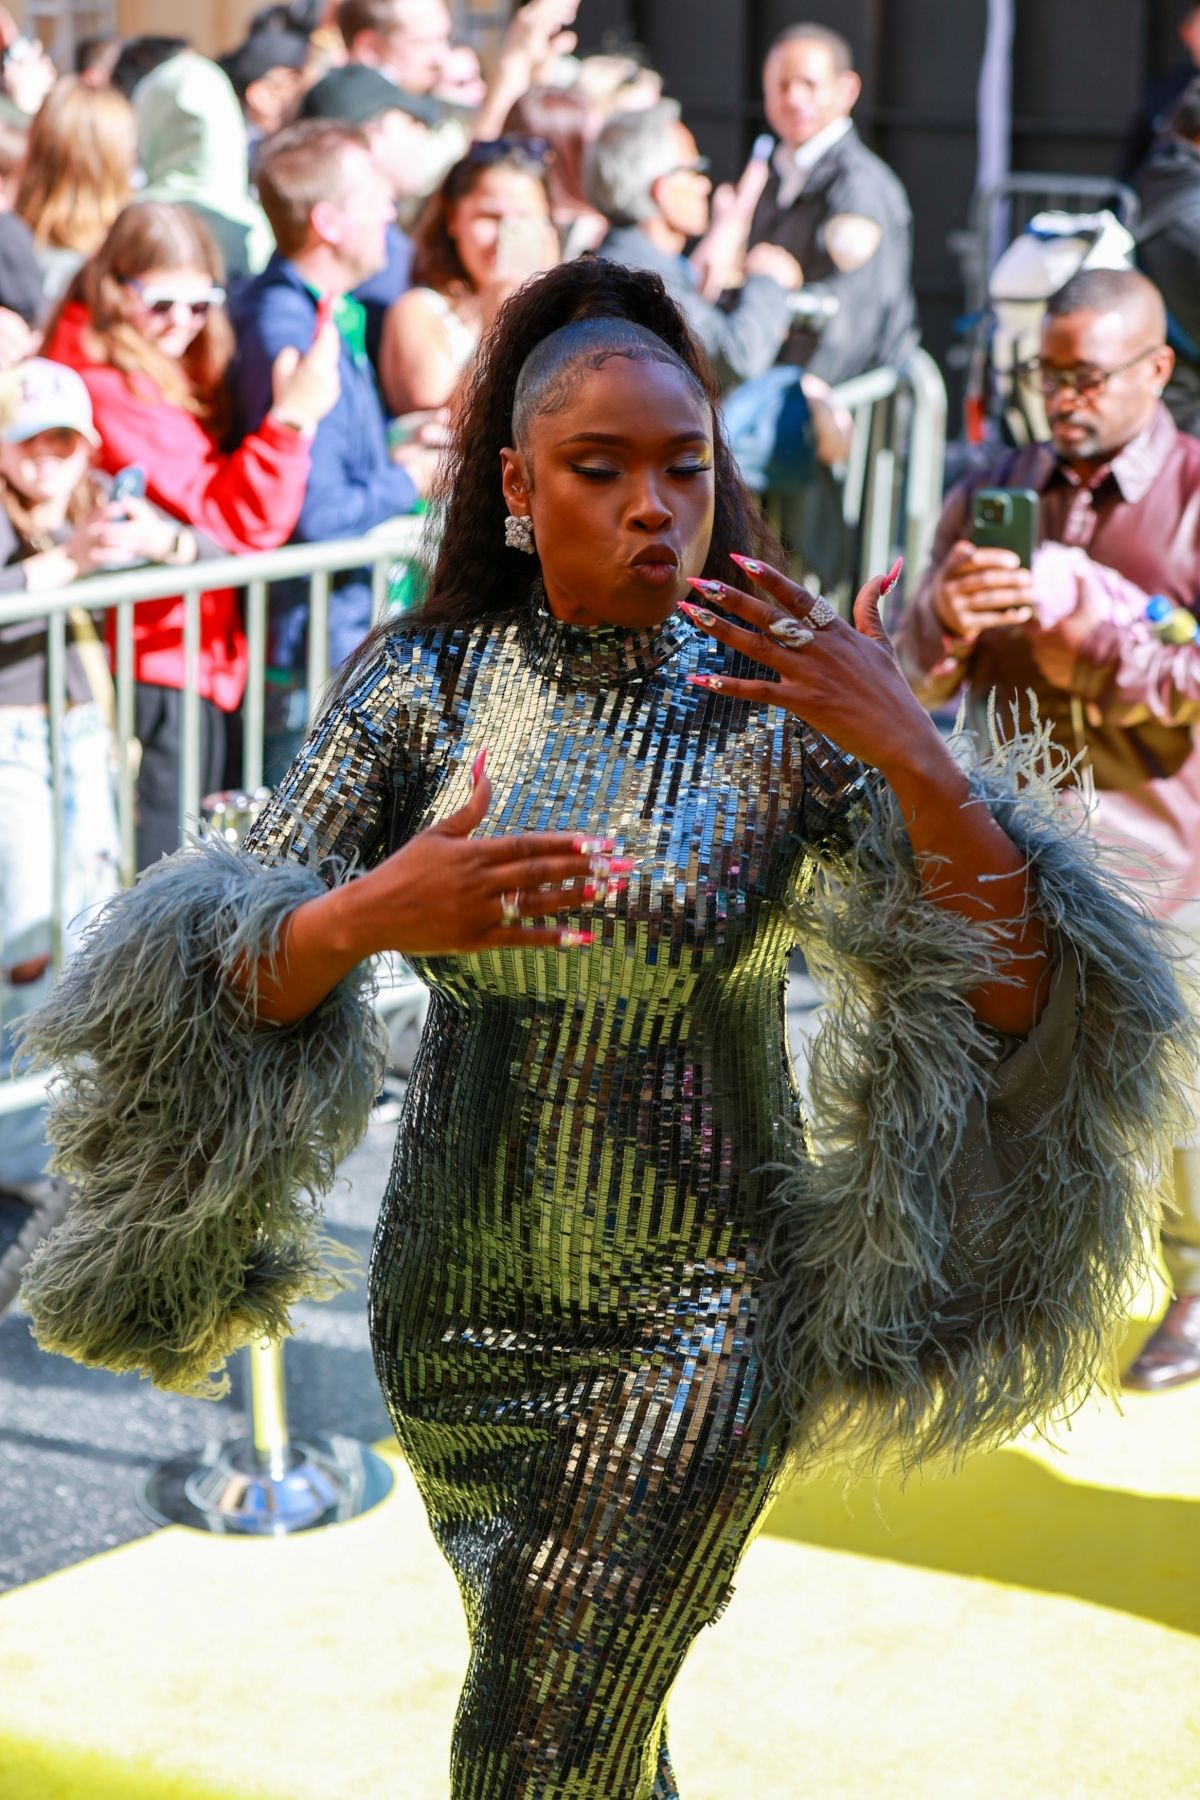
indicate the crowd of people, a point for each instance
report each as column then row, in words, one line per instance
column 261, row 283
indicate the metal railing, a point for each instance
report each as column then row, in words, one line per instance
column 850, row 522
column 381, row 551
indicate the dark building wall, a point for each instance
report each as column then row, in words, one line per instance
column 1079, row 67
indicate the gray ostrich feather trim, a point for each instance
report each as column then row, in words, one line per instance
column 196, row 1140
column 954, row 1254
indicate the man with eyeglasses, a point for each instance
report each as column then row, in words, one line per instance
column 646, row 175
column 1118, row 489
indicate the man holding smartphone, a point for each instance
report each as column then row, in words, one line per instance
column 1118, row 500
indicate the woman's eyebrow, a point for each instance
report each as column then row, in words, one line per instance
column 696, row 436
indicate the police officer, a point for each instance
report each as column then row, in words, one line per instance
column 841, row 212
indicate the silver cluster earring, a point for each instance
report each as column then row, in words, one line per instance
column 518, row 533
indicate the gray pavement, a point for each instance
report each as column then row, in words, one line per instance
column 75, row 1442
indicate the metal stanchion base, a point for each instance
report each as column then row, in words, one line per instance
column 232, row 1489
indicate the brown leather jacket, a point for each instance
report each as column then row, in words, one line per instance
column 1134, row 700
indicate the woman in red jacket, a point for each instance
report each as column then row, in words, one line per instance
column 144, row 324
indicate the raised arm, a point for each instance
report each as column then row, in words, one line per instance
column 845, row 682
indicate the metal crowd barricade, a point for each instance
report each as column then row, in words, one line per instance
column 397, row 542
column 887, row 496
column 265, row 1484
column 1000, row 212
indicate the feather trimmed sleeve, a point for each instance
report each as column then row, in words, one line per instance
column 953, row 1253
column 197, row 1140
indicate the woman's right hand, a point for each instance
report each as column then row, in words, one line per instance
column 444, row 893
column 447, row 893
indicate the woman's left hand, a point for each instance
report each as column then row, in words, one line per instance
column 843, row 680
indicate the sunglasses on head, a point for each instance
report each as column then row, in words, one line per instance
column 490, row 150
column 161, row 300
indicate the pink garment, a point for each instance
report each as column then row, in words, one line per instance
column 1061, row 571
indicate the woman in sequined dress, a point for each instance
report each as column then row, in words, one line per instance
column 568, row 1274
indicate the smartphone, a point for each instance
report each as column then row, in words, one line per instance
column 1006, row 519
column 128, row 484
column 23, row 49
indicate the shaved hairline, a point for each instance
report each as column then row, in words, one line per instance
column 556, row 368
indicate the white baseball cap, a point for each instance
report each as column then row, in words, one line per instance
column 44, row 396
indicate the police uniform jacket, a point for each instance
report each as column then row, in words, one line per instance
column 876, row 318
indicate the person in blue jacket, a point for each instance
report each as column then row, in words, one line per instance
column 329, row 205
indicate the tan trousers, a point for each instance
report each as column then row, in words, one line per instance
column 1181, row 1227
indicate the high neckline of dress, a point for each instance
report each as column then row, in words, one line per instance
column 599, row 655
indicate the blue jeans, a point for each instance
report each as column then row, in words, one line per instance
column 770, row 430
column 90, row 876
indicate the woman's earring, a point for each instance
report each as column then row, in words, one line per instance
column 518, row 533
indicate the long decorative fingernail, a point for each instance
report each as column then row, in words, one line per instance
column 700, row 614
column 477, row 766
column 751, row 564
column 594, row 846
column 712, row 682
column 892, row 577
column 595, row 890
column 575, row 940
column 712, row 590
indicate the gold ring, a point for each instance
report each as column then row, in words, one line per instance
column 510, row 908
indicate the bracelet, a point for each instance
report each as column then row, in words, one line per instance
column 304, row 429
column 183, row 549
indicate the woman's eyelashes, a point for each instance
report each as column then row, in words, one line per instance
column 678, row 469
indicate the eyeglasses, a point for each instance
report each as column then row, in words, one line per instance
column 491, row 150
column 162, row 301
column 1084, row 383
column 700, row 166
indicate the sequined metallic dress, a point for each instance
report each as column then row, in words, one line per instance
column 565, row 1274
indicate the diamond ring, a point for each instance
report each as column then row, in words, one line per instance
column 510, row 909
column 820, row 614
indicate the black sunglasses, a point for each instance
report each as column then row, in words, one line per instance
column 491, row 150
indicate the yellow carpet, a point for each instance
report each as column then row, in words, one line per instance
column 1026, row 1629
